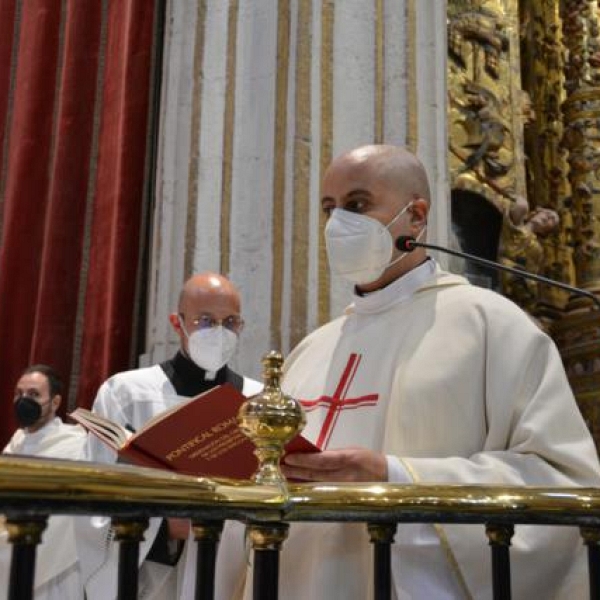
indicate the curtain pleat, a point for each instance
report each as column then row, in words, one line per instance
column 74, row 111
column 7, row 23
column 114, row 250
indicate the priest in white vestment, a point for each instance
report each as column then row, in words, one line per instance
column 208, row 323
column 424, row 379
column 43, row 434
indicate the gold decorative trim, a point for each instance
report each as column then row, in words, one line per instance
column 26, row 531
column 129, row 530
column 89, row 213
column 192, row 203
column 590, row 535
column 302, row 163
column 279, row 167
column 581, row 111
column 207, row 530
column 516, row 91
column 90, row 486
column 228, row 133
column 452, row 560
column 327, row 22
column 499, row 534
column 444, row 542
column 379, row 70
column 37, row 478
column 412, row 113
column 270, row 420
column 382, row 533
column 267, row 536
column 572, row 103
column 10, row 105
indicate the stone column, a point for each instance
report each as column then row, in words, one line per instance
column 257, row 98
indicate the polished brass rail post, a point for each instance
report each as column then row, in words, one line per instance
column 591, row 538
column 382, row 538
column 207, row 535
column 129, row 533
column 271, row 419
column 266, row 542
column 24, row 533
column 499, row 537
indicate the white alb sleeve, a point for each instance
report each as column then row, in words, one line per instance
column 397, row 472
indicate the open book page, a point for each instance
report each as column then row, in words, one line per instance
column 165, row 414
column 199, row 436
column 111, row 433
column 224, row 393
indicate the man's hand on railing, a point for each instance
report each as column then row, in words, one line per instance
column 348, row 464
column 179, row 529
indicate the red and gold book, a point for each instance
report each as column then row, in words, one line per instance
column 197, row 437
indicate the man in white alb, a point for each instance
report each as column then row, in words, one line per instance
column 43, row 434
column 425, row 379
column 208, row 322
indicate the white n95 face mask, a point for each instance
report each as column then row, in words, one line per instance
column 212, row 348
column 359, row 248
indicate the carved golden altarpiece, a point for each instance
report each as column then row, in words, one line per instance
column 524, row 142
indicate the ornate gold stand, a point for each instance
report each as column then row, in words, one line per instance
column 271, row 419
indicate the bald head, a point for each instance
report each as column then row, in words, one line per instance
column 208, row 287
column 394, row 166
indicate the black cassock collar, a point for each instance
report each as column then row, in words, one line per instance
column 189, row 379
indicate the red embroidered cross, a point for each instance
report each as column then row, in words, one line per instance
column 338, row 401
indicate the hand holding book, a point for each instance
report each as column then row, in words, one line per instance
column 198, row 437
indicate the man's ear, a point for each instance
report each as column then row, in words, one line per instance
column 174, row 320
column 56, row 400
column 419, row 212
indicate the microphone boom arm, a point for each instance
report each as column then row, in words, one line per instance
column 498, row 266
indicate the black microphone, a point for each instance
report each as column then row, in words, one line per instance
column 407, row 243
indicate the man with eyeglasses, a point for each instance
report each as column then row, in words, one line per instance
column 43, row 434
column 208, row 323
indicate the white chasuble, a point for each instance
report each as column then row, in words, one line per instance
column 57, row 569
column 461, row 387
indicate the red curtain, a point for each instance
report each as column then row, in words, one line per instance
column 75, row 88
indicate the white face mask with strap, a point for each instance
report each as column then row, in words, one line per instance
column 360, row 248
column 211, row 348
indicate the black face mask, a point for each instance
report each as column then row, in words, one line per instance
column 27, row 411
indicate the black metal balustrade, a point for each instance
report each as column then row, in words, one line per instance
column 33, row 489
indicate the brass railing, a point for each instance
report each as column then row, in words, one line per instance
column 33, row 489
